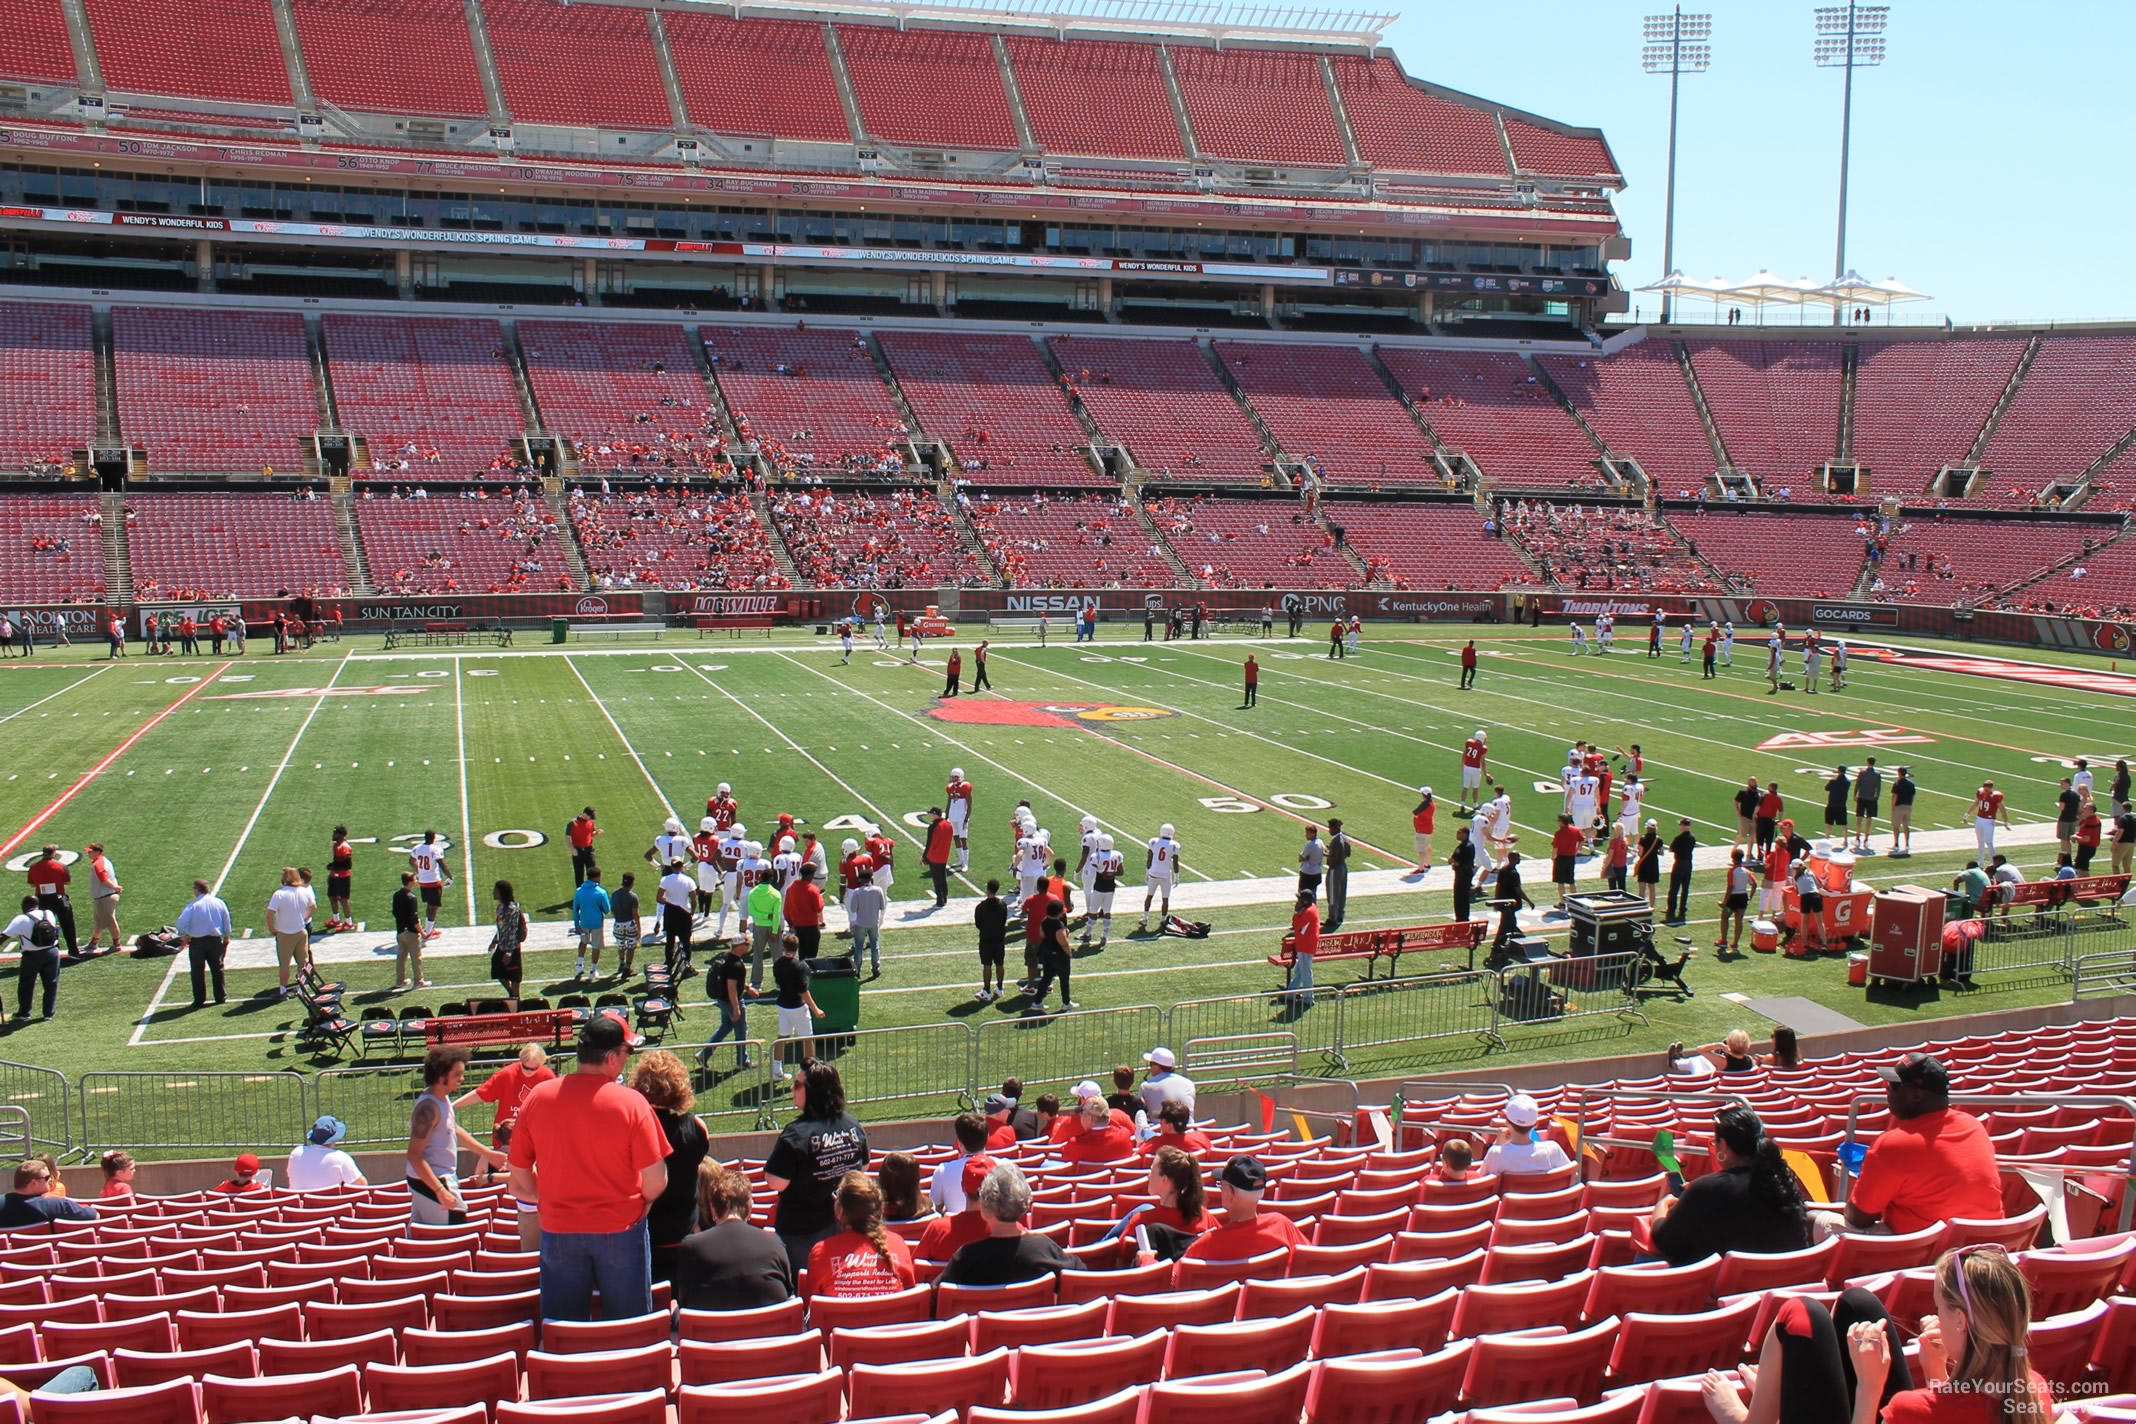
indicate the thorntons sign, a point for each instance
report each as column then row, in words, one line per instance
column 1462, row 608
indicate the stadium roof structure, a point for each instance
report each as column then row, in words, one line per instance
column 1148, row 19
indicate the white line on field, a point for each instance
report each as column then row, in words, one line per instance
column 61, row 693
column 666, row 804
column 467, row 834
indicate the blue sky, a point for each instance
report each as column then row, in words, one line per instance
column 1991, row 164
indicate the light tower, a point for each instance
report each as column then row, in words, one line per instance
column 1849, row 37
column 1676, row 44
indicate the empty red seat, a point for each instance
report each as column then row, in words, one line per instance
column 227, row 1399
column 929, row 1385
column 1505, row 1369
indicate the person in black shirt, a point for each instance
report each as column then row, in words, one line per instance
column 1509, row 895
column 32, row 1204
column 1746, row 804
column 991, row 917
column 1902, row 799
column 407, row 935
column 623, row 908
column 2118, row 792
column 728, row 985
column 812, row 1155
column 1749, row 1202
column 1680, row 848
column 1462, row 862
column 2067, row 807
column 729, row 1265
column 661, row 1080
column 1024, row 1120
column 1836, row 803
column 1009, row 1254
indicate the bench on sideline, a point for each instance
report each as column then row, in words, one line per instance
column 1375, row 945
column 447, row 635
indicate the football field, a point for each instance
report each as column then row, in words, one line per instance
column 231, row 769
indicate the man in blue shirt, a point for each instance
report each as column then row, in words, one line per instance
column 204, row 930
column 589, row 916
column 31, row 1203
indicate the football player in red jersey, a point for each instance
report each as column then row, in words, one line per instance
column 883, row 851
column 1475, row 758
column 721, row 808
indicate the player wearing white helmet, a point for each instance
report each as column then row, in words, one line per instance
column 1086, row 869
column 1160, row 869
column 721, row 808
column 1475, row 757
column 671, row 845
column 704, row 855
column 786, row 865
column 1106, row 865
column 733, row 842
column 1728, row 643
column 958, row 800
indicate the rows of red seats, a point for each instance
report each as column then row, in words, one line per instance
column 357, row 54
column 38, row 47
column 1164, row 402
column 1920, row 405
column 51, row 548
column 461, row 545
column 525, row 38
column 1327, row 407
column 901, row 540
column 1776, row 404
column 682, row 541
column 437, row 392
column 2077, row 399
column 757, row 77
column 1423, row 547
column 195, row 49
column 809, row 401
column 1264, row 106
column 212, row 392
column 1251, row 543
column 1068, row 541
column 219, row 545
column 628, row 398
column 900, row 77
column 1793, row 554
column 996, row 403
column 47, row 384
column 1491, row 406
column 1060, row 79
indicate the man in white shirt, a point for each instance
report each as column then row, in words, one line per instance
column 287, row 910
column 676, row 921
column 318, row 1164
column 1634, row 807
column 36, row 933
column 204, row 932
column 946, row 1187
column 1517, row 1151
column 1160, row 867
column 432, row 875
column 1165, row 1084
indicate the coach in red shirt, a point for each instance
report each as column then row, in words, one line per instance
column 941, row 840
column 804, row 911
column 48, row 882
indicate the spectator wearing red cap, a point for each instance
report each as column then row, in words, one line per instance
column 946, row 1235
column 1009, row 1253
column 244, row 1175
column 1935, row 1162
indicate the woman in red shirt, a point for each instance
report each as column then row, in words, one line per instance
column 1177, row 1130
column 862, row 1259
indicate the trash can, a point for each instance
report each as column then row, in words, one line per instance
column 559, row 630
column 835, row 985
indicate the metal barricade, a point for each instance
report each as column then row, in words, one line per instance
column 2102, row 975
column 1413, row 1101
column 1381, row 1012
column 2024, row 942
column 377, row 1101
column 1312, row 1023
column 15, row 1140
column 730, row 1097
column 182, row 1111
column 1049, row 1049
column 925, row 1067
column 1244, row 1058
column 48, row 1099
column 1556, row 990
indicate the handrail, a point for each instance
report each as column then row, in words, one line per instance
column 2054, row 1100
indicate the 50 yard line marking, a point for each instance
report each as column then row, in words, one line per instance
column 629, row 750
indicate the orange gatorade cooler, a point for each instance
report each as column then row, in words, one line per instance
column 1764, row 936
column 1837, row 872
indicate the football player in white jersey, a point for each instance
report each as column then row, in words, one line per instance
column 1579, row 640
column 786, row 865
column 1501, row 809
column 733, row 844
column 1728, row 644
column 1029, row 865
column 1480, row 837
column 1086, row 865
column 882, row 629
column 671, row 845
column 1585, row 790
column 1106, row 867
column 958, row 796
column 1633, row 807
column 1160, row 869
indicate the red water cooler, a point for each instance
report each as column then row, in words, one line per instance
column 1906, row 943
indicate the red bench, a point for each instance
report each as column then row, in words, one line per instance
column 472, row 1030
column 734, row 623
column 1375, row 945
column 2052, row 893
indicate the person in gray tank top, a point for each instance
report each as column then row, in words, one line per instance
column 434, row 1141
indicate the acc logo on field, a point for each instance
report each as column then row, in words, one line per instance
column 1039, row 714
column 1865, row 737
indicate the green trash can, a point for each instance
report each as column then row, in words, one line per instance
column 559, row 630
column 835, row 985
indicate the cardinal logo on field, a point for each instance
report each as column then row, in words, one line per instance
column 973, row 712
column 1862, row 737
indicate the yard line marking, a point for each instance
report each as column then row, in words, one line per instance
column 61, row 693
column 632, row 751
column 467, row 834
column 969, row 750
column 895, row 824
column 98, row 770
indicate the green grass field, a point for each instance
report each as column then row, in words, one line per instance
column 232, row 770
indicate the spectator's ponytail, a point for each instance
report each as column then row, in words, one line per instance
column 860, row 1209
column 1773, row 1187
column 1985, row 1285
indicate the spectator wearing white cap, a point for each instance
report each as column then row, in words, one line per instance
column 1517, row 1151
column 1068, row 1124
column 1165, row 1083
column 318, row 1164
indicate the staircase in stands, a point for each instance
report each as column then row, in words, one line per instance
column 916, row 442
column 353, row 558
column 1457, row 462
column 529, row 410
column 107, row 379
column 118, row 560
column 552, row 495
column 1106, row 455
column 1164, row 547
column 729, row 431
column 1705, row 418
column 775, row 539
column 1988, row 427
column 966, row 534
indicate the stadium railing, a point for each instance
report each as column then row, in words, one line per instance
column 209, row 1111
column 1246, row 1058
column 2125, row 1104
column 914, row 1064
column 1376, row 1013
column 16, row 1142
column 376, row 1101
column 1046, row 1050
column 2102, row 974
column 1312, row 1022
column 1555, row 990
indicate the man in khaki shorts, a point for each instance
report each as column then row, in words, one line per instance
column 408, row 936
column 287, row 910
column 1902, row 799
column 104, row 889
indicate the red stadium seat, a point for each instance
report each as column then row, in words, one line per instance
column 1389, row 1387
column 483, row 1312
column 132, row 1369
column 1487, row 1310
column 573, row 1337
column 645, row 1407
column 1864, row 1253
column 1619, row 1407
column 1505, row 1369
column 900, row 1344
column 727, row 1361
column 298, row 1357
column 1656, row 1289
column 791, row 1399
column 1133, row 1314
column 1273, row 1399
column 1261, row 1300
column 173, row 1402
column 1651, row 1347
column 147, row 1332
column 1752, row 1271
column 229, row 1399
column 1124, row 1407
column 1195, row 1275
column 456, row 1347
column 2066, row 1279
column 1267, row 1344
column 1017, row 1328
column 827, row 1313
column 442, row 1386
column 785, row 1318
column 337, row 1322
column 554, row 1376
column 1385, row 1325
column 929, row 1385
column 201, row 1330
column 1065, row 1376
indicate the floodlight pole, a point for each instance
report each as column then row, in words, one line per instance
column 1846, row 136
column 1856, row 40
column 1674, row 28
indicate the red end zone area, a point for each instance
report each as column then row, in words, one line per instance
column 2118, row 684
